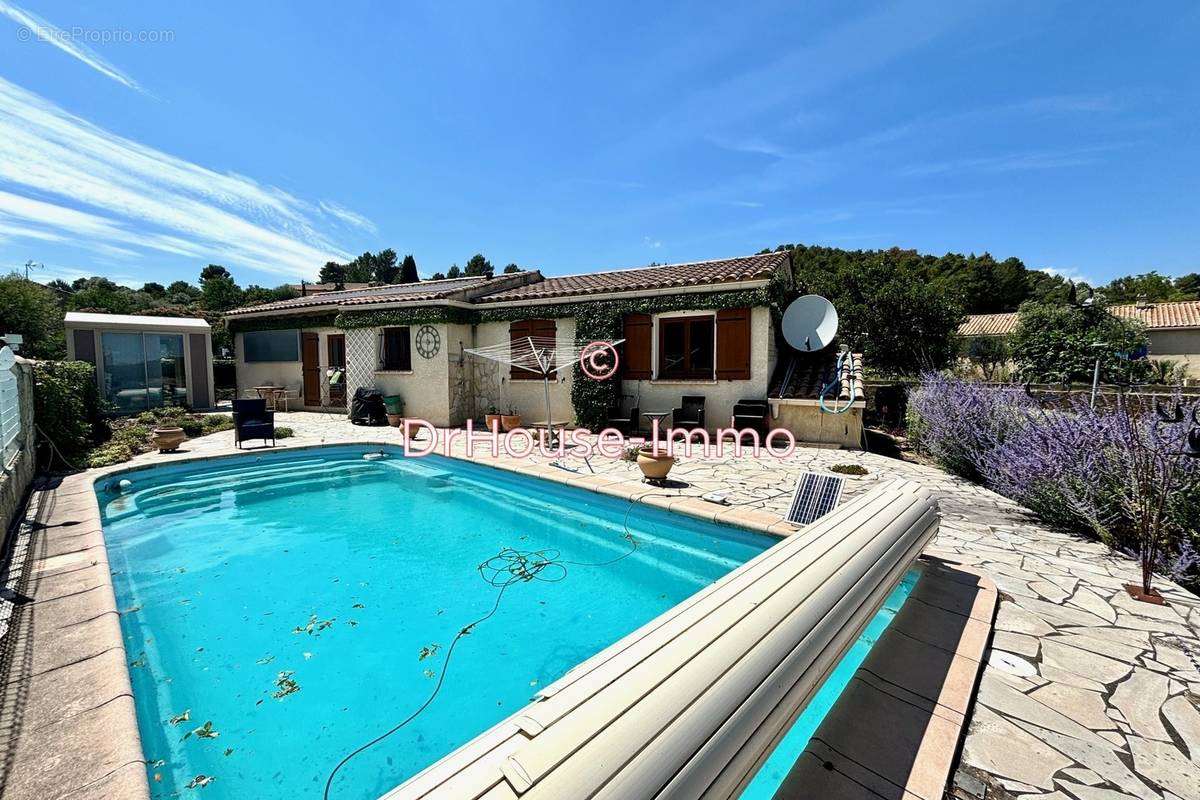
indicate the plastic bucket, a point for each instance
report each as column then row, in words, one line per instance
column 394, row 404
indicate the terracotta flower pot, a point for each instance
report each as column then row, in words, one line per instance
column 510, row 422
column 395, row 420
column 655, row 464
column 167, row 440
column 491, row 420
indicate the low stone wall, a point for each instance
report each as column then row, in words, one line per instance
column 16, row 475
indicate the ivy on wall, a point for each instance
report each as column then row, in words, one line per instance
column 280, row 323
column 418, row 315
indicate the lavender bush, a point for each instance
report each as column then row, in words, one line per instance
column 958, row 422
column 1121, row 472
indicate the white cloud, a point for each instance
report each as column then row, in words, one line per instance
column 1071, row 274
column 653, row 244
column 43, row 31
column 346, row 215
column 140, row 197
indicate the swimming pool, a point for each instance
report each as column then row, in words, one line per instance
column 279, row 611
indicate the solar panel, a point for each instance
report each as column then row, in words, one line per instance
column 816, row 495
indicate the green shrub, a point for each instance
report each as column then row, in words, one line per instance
column 284, row 433
column 217, row 422
column 848, row 469
column 108, row 454
column 66, row 406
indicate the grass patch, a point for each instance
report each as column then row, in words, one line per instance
column 284, row 432
column 848, row 469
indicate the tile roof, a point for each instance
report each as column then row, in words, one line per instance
column 802, row 376
column 1155, row 316
column 989, row 324
column 374, row 295
column 700, row 273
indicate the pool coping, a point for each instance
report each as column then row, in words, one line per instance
column 71, row 569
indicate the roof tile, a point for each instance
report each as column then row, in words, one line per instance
column 728, row 270
column 1155, row 316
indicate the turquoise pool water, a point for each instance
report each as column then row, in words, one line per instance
column 303, row 603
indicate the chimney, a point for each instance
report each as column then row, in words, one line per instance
column 1143, row 301
column 303, row 288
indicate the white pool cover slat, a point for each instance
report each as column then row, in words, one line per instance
column 691, row 703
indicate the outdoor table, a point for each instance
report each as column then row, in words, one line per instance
column 652, row 416
column 273, row 393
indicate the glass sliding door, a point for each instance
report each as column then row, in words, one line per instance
column 124, row 372
column 143, row 371
column 166, row 380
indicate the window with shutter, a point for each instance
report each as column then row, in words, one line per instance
column 543, row 331
column 395, row 353
column 685, row 347
column 733, row 344
column 638, row 347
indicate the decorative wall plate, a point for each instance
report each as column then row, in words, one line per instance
column 429, row 342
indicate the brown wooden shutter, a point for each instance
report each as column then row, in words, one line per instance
column 519, row 330
column 544, row 329
column 638, row 335
column 733, row 344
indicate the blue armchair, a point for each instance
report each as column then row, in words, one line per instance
column 252, row 420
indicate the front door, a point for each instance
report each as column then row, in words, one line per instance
column 311, row 366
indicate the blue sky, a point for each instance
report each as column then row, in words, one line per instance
column 271, row 137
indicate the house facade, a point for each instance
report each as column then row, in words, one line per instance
column 1173, row 329
column 706, row 329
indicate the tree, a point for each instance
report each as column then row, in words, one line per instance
column 511, row 268
column 33, row 311
column 454, row 271
column 989, row 353
column 213, row 271
column 334, row 273
column 408, row 270
column 1129, row 288
column 438, row 276
column 255, row 294
column 384, row 268
column 220, row 293
column 182, row 293
column 105, row 296
column 888, row 309
column 478, row 267
column 1055, row 343
column 155, row 290
column 1189, row 284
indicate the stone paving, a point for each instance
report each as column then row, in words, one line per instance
column 1086, row 695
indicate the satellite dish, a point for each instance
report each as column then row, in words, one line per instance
column 810, row 323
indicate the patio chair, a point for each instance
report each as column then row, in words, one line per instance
column 752, row 415
column 690, row 415
column 252, row 420
column 625, row 423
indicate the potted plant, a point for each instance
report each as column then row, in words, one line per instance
column 655, row 463
column 511, row 420
column 167, row 438
column 393, row 405
column 491, row 417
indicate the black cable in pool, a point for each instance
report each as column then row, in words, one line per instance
column 521, row 566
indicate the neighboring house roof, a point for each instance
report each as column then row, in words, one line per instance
column 1181, row 314
column 86, row 319
column 530, row 286
column 670, row 276
column 989, row 325
column 448, row 289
